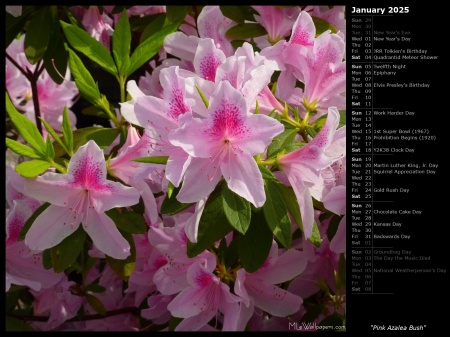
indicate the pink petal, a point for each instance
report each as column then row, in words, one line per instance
column 244, row 178
column 180, row 45
column 335, row 200
column 116, row 195
column 106, row 236
column 177, row 165
column 193, row 222
column 303, row 31
column 199, row 181
column 51, row 227
column 207, row 59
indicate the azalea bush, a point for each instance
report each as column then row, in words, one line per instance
column 175, row 168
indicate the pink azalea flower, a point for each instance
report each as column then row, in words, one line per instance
column 99, row 26
column 259, row 288
column 303, row 166
column 276, row 20
column 80, row 196
column 57, row 302
column 23, row 266
column 226, row 140
column 205, row 296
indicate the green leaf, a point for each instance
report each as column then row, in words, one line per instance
column 322, row 26
column 124, row 268
column 153, row 160
column 102, row 136
column 15, row 324
column 153, row 26
column 95, row 288
column 232, row 255
column 213, row 224
column 245, row 31
column 21, row 149
column 276, row 214
column 176, row 13
column 147, row 49
column 239, row 14
column 96, row 304
column 27, row 129
column 83, row 79
column 290, row 200
column 281, row 141
column 266, row 174
column 333, row 227
column 56, row 55
column 50, row 151
column 54, row 135
column 130, row 222
column 80, row 40
column 30, row 221
column 236, row 209
column 342, row 119
column 15, row 25
column 254, row 246
column 311, row 131
column 320, row 122
column 121, row 41
column 47, row 259
column 170, row 189
column 38, row 34
column 72, row 18
column 67, row 131
column 95, row 111
column 32, row 168
column 315, row 237
column 66, row 252
column 171, row 205
column 173, row 322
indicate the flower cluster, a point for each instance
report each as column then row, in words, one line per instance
column 214, row 200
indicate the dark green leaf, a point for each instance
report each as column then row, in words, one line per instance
column 153, row 160
column 222, row 251
column 80, row 40
column 173, row 322
column 276, row 214
column 245, row 31
column 56, row 54
column 67, row 131
column 239, row 14
column 312, row 313
column 237, row 43
column 30, row 221
column 290, row 200
column 72, row 18
column 95, row 111
column 47, row 259
column 153, row 26
column 96, row 304
column 22, row 149
column 95, row 288
column 124, row 268
column 102, row 136
column 15, row 25
column 83, row 79
column 333, row 227
column 281, row 141
column 254, row 246
column 322, row 26
column 213, row 224
column 266, row 174
column 232, row 255
column 14, row 324
column 38, row 34
column 130, row 222
column 315, row 237
column 32, row 168
column 55, row 136
column 147, row 49
column 311, row 131
column 26, row 128
column 176, row 13
column 171, row 205
column 66, row 252
column 121, row 41
column 320, row 122
column 236, row 209
column 342, row 120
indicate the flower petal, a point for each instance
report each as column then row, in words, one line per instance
column 51, row 227
column 106, row 236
